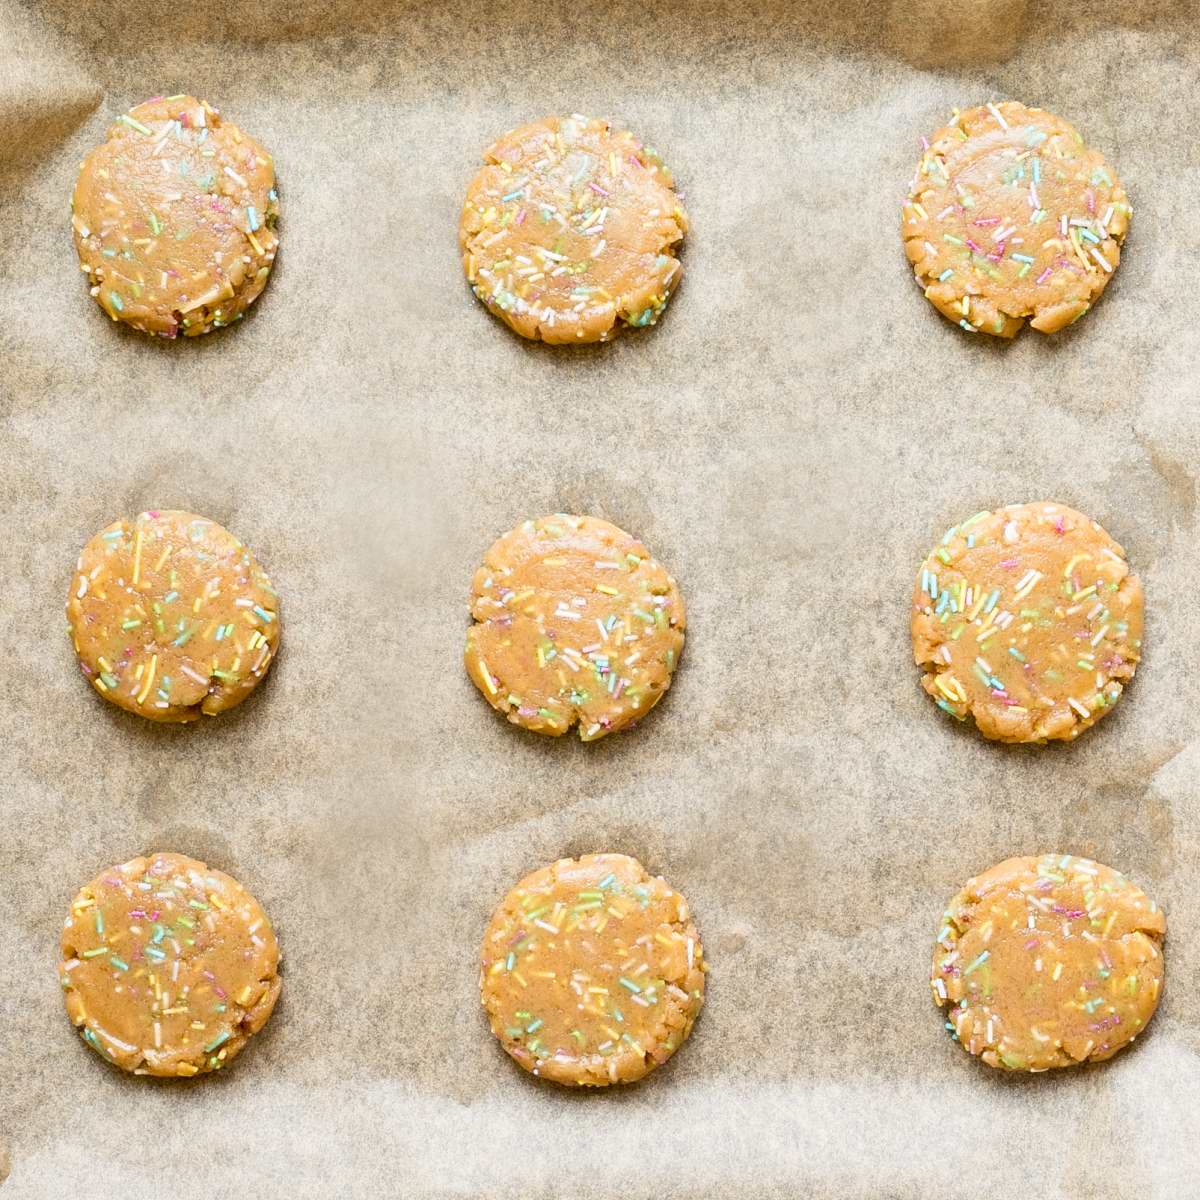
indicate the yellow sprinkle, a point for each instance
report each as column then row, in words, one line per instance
column 487, row 675
column 608, row 591
column 162, row 558
column 254, row 242
column 137, row 558
column 149, row 679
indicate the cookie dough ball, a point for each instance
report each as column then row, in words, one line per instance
column 168, row 967
column 174, row 218
column 592, row 971
column 1029, row 620
column 574, row 622
column 1048, row 962
column 171, row 616
column 570, row 229
column 1010, row 216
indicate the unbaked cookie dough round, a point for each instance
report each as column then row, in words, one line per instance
column 569, row 232
column 1028, row 619
column 1048, row 962
column 1010, row 216
column 574, row 621
column 168, row 967
column 174, row 218
column 592, row 971
column 171, row 616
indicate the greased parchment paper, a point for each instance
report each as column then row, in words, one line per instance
column 788, row 442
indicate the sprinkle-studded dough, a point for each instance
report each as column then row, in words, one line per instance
column 171, row 616
column 1048, row 962
column 570, row 229
column 1028, row 619
column 174, row 218
column 1010, row 216
column 168, row 967
column 592, row 971
column 574, row 622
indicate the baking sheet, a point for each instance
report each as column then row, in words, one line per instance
column 789, row 441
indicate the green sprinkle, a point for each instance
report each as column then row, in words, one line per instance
column 219, row 1040
column 629, row 984
column 119, row 963
column 977, row 963
column 126, row 119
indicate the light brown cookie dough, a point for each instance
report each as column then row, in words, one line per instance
column 592, row 971
column 1028, row 619
column 1010, row 216
column 574, row 622
column 1048, row 962
column 570, row 229
column 174, row 218
column 168, row 967
column 171, row 616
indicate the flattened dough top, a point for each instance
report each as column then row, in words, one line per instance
column 1029, row 620
column 574, row 621
column 1048, row 962
column 569, row 231
column 1010, row 216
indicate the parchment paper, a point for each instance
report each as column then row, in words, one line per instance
column 789, row 441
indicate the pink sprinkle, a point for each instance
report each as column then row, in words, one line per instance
column 1091, row 200
column 975, row 246
column 1059, row 527
column 988, row 221
column 1029, row 945
column 925, row 142
column 597, row 188
column 152, row 513
column 997, row 254
column 1009, row 563
column 520, row 218
column 220, row 992
column 1044, row 276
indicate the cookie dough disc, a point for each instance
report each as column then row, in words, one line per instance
column 174, row 218
column 592, row 971
column 571, row 227
column 574, row 622
column 1048, row 962
column 168, row 967
column 171, row 616
column 1010, row 216
column 1029, row 620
